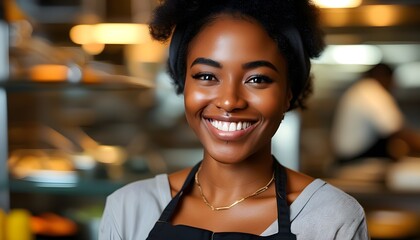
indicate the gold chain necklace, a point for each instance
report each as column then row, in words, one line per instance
column 259, row 191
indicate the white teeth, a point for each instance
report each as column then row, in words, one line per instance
column 225, row 127
column 239, row 126
column 230, row 126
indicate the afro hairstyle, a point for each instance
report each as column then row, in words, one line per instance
column 190, row 16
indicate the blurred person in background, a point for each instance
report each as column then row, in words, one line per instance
column 368, row 122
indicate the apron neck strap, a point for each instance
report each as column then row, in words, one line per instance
column 283, row 213
column 280, row 182
column 170, row 209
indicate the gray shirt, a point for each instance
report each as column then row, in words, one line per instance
column 321, row 212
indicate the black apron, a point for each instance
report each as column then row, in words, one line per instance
column 164, row 230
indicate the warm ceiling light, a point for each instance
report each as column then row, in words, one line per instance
column 351, row 55
column 82, row 34
column 110, row 33
column 121, row 33
column 338, row 3
column 49, row 73
column 356, row 54
column 380, row 15
column 336, row 20
column 93, row 48
column 152, row 51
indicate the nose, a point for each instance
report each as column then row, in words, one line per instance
column 231, row 97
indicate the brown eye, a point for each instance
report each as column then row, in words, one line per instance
column 204, row 77
column 259, row 79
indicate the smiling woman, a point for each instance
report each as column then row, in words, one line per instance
column 241, row 66
column 235, row 75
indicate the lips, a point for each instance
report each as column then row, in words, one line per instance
column 230, row 126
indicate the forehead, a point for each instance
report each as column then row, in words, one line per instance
column 233, row 38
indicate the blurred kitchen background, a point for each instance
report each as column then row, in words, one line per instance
column 86, row 106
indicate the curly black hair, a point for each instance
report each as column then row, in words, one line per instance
column 293, row 24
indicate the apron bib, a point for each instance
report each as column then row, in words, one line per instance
column 164, row 230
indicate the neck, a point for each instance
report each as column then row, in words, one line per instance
column 236, row 202
column 223, row 183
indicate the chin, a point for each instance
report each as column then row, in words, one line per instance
column 229, row 154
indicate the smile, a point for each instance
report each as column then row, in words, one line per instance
column 229, row 126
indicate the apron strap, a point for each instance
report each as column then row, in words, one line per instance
column 280, row 176
column 283, row 215
column 170, row 208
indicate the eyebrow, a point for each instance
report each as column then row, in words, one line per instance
column 206, row 61
column 249, row 65
column 260, row 63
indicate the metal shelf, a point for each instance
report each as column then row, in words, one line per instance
column 96, row 187
column 110, row 83
column 83, row 187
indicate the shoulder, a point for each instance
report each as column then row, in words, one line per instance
column 325, row 199
column 329, row 211
column 296, row 183
column 329, row 196
column 148, row 195
column 134, row 208
column 156, row 187
column 369, row 90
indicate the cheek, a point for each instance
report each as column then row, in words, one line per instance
column 195, row 99
column 271, row 105
column 272, row 113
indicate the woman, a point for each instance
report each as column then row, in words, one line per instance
column 240, row 65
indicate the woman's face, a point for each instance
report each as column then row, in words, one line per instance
column 235, row 89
